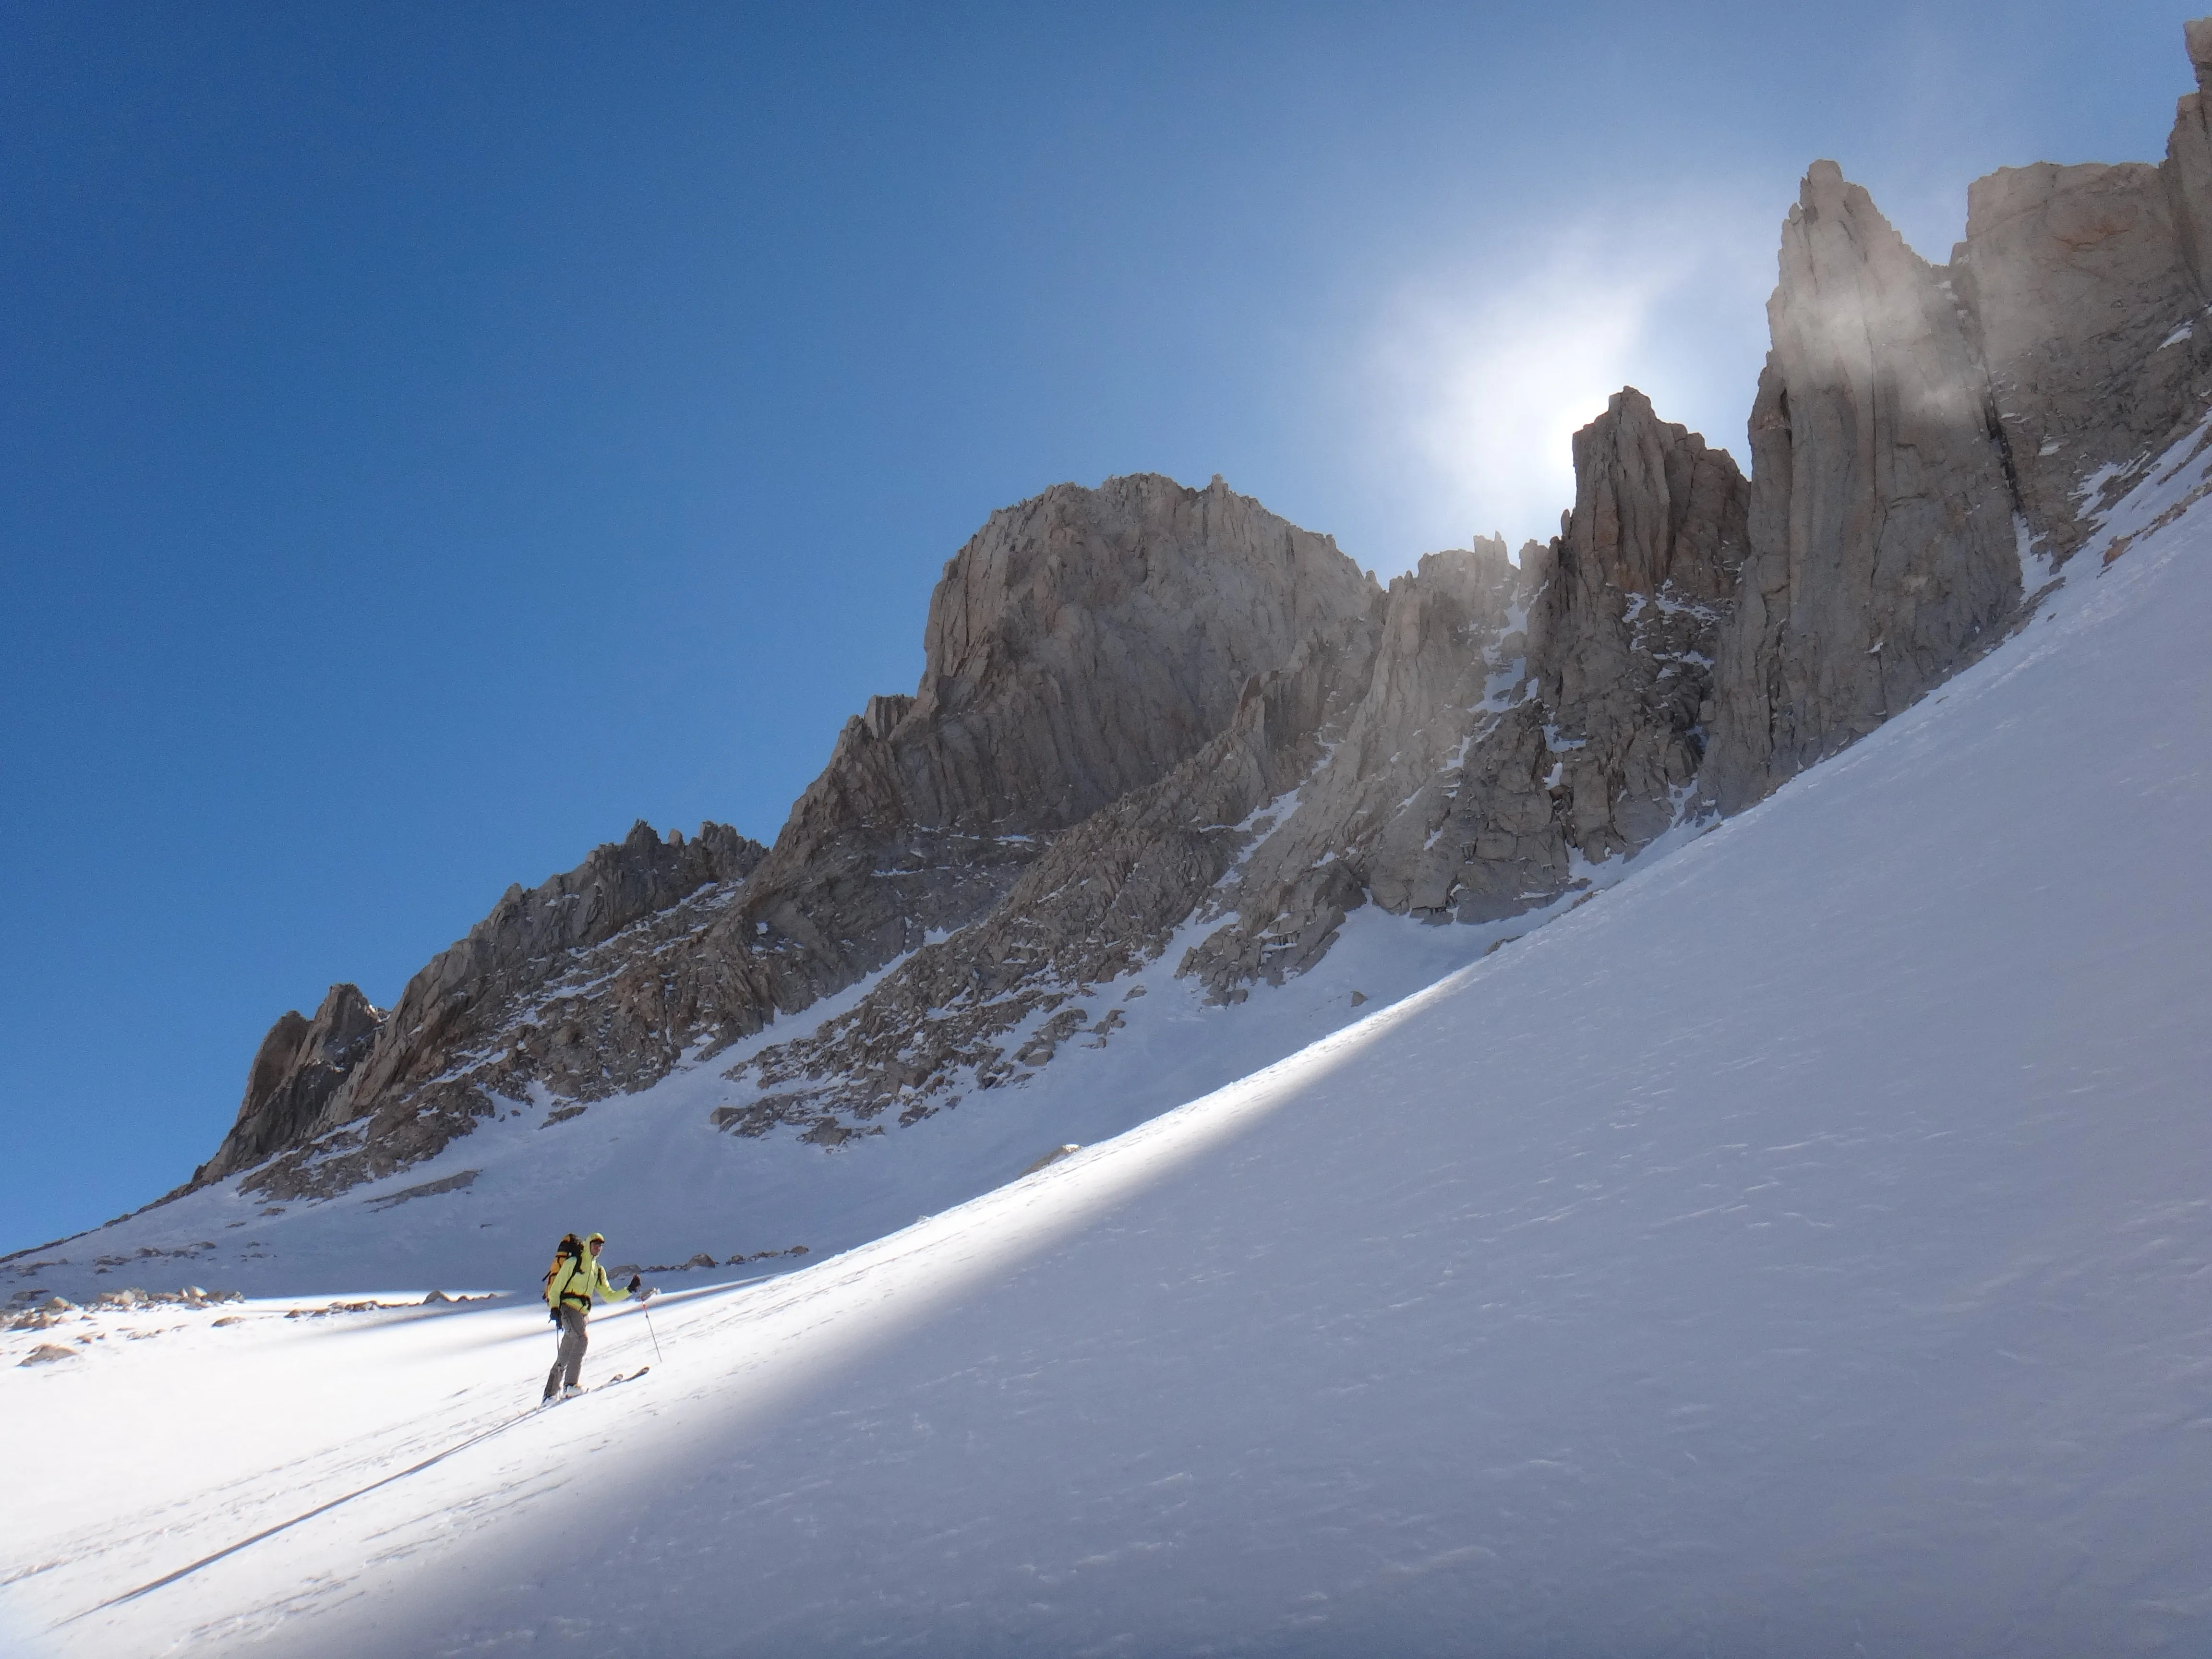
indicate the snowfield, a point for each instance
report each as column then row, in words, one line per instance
column 1804, row 1247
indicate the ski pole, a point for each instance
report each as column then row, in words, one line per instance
column 649, row 1331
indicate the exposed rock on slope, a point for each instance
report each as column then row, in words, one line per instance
column 1917, row 424
column 2079, row 286
column 301, row 1065
column 1412, row 752
column 1623, row 630
column 2088, row 287
column 1882, row 519
column 1513, row 720
column 1080, row 645
column 1101, row 902
column 401, row 1078
column 1359, row 823
column 2188, row 167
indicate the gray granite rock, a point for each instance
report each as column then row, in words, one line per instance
column 2188, row 166
column 2090, row 321
column 379, row 1106
column 1080, row 647
column 1883, row 546
column 976, row 1011
column 1363, row 818
column 1623, row 629
column 1513, row 718
column 299, row 1066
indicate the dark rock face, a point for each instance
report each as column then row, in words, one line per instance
column 1920, row 431
column 1080, row 647
column 1413, row 701
column 2078, row 282
column 1623, row 630
column 2086, row 285
column 1408, row 751
column 2188, row 167
column 299, row 1066
column 1107, row 672
column 1513, row 719
column 1099, row 903
column 463, row 1000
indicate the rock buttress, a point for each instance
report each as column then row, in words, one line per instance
column 1882, row 547
column 299, row 1066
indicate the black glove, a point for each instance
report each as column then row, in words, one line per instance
column 633, row 1283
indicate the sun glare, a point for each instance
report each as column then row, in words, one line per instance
column 1491, row 370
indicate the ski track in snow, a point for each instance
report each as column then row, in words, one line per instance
column 1802, row 1247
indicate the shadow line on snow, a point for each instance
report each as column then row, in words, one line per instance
column 361, row 1492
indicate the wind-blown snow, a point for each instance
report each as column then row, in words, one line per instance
column 1803, row 1247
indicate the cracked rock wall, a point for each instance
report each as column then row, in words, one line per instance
column 1882, row 545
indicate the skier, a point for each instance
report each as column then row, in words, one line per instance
column 576, row 1277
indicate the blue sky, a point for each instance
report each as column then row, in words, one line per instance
column 432, row 436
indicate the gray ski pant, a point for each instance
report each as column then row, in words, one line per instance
column 568, row 1364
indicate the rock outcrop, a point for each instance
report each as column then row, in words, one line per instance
column 1359, row 823
column 1079, row 646
column 2079, row 284
column 1513, row 719
column 2188, row 166
column 1100, row 903
column 1925, row 436
column 1417, row 754
column 1624, row 625
column 393, row 1097
column 301, row 1063
column 2087, row 286
column 1882, row 545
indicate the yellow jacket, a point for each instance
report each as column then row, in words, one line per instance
column 578, row 1280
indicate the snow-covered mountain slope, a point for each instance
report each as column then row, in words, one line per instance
column 1804, row 1247
column 652, row 1170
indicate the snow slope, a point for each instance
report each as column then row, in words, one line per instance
column 1804, row 1247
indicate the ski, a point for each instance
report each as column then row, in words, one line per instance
column 619, row 1377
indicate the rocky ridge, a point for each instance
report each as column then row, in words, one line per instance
column 361, row 1092
column 1154, row 717
column 1079, row 646
column 1881, row 515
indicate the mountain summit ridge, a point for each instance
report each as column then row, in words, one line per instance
column 1163, row 725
